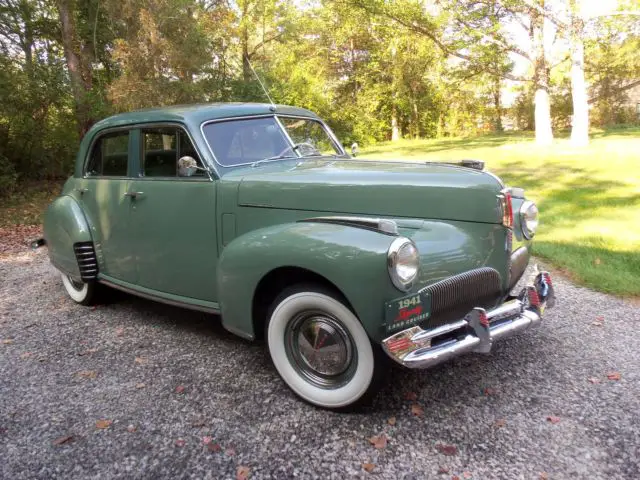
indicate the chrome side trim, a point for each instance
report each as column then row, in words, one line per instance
column 382, row 225
column 157, row 298
column 476, row 332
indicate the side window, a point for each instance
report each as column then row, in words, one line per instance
column 162, row 147
column 110, row 156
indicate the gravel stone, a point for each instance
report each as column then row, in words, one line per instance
column 492, row 408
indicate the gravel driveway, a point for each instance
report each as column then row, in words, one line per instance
column 179, row 397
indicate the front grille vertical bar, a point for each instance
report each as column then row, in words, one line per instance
column 475, row 288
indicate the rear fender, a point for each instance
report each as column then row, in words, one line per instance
column 64, row 225
column 352, row 259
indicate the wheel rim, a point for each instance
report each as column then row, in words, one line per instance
column 321, row 349
column 78, row 286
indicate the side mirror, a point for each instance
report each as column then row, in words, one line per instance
column 187, row 166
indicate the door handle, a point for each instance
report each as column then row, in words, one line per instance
column 82, row 190
column 133, row 194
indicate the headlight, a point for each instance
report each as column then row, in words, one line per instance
column 403, row 261
column 529, row 219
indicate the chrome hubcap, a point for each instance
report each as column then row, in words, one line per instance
column 76, row 285
column 321, row 349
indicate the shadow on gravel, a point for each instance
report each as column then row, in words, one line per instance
column 168, row 316
column 446, row 389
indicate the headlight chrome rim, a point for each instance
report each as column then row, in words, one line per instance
column 392, row 262
column 524, row 219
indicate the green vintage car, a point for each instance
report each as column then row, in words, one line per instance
column 256, row 213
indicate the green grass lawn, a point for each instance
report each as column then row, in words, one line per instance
column 589, row 198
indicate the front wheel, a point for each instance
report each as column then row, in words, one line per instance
column 80, row 292
column 321, row 350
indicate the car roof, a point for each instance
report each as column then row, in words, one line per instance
column 198, row 113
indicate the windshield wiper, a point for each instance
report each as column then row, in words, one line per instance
column 268, row 159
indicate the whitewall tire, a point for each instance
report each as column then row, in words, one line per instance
column 80, row 292
column 320, row 348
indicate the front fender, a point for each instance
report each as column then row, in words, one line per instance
column 64, row 225
column 353, row 259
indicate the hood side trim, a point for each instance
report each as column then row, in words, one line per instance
column 381, row 225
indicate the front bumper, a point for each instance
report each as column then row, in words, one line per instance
column 476, row 332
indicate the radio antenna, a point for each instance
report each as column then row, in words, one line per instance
column 273, row 105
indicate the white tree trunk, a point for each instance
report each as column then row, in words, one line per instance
column 544, row 134
column 395, row 128
column 580, row 124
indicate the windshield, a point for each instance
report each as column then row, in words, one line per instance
column 246, row 141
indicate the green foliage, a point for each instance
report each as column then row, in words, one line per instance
column 376, row 70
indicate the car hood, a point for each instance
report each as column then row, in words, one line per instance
column 370, row 187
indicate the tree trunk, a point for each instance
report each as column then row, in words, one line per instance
column 544, row 133
column 580, row 124
column 79, row 86
column 246, row 65
column 395, row 129
column 497, row 103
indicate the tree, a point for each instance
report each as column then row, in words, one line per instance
column 78, row 65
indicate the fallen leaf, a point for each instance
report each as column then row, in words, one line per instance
column 594, row 379
column 242, row 473
column 87, row 374
column 488, row 391
column 131, row 428
column 544, row 476
column 467, row 474
column 180, row 389
column 214, row 447
column 379, row 441
column 63, row 440
column 119, row 332
column 597, row 323
column 614, row 376
column 199, row 422
column 230, row 452
column 445, row 449
column 26, row 355
column 411, row 396
column 103, row 423
column 368, row 467
column 7, row 341
column 443, row 469
column 140, row 385
column 553, row 419
column 417, row 410
column 391, row 421
column 206, row 440
column 455, row 477
column 141, row 360
column 180, row 442
column 500, row 423
column 597, row 261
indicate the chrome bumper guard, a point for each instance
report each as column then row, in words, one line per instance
column 476, row 332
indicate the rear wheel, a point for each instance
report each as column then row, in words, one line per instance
column 80, row 292
column 321, row 350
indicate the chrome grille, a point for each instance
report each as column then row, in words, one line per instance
column 87, row 261
column 453, row 297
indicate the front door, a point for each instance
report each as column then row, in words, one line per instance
column 174, row 217
column 103, row 193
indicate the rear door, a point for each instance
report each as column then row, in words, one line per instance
column 103, row 191
column 173, row 216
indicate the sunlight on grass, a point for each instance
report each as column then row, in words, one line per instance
column 589, row 198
